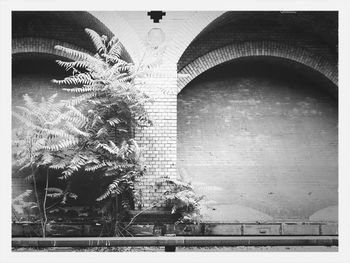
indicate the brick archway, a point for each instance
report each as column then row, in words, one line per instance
column 246, row 49
column 121, row 28
column 41, row 45
column 188, row 32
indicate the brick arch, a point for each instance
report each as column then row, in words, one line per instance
column 41, row 45
column 121, row 28
column 188, row 32
column 246, row 49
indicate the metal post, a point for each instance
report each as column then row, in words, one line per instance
column 170, row 248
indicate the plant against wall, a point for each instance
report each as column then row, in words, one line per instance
column 182, row 199
column 111, row 93
column 93, row 132
column 48, row 131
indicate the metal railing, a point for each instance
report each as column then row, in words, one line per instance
column 171, row 243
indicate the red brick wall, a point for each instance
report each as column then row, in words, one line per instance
column 259, row 139
column 40, row 45
column 303, row 30
column 322, row 64
column 158, row 142
column 212, row 47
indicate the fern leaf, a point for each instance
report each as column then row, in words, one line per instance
column 78, row 55
column 81, row 78
column 84, row 89
column 75, row 64
column 116, row 49
column 75, row 130
column 74, row 111
column 96, row 39
column 22, row 196
column 62, row 144
column 51, row 100
column 92, row 168
column 102, row 131
column 79, row 99
column 113, row 121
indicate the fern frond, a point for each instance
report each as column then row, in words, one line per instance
column 116, row 49
column 104, row 195
column 96, row 39
column 21, row 197
column 54, row 192
column 77, row 100
column 83, row 89
column 25, row 121
column 78, row 55
column 29, row 178
column 102, row 131
column 74, row 111
column 114, row 121
column 112, row 41
column 59, row 165
column 112, row 188
column 50, row 101
column 92, row 168
column 58, row 133
column 54, row 189
column 74, row 64
column 62, row 144
column 112, row 150
column 24, row 110
column 81, row 78
column 76, row 130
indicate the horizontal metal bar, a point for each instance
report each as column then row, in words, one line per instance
column 177, row 241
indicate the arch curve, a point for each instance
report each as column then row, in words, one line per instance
column 264, row 48
column 41, row 45
column 125, row 33
column 188, row 32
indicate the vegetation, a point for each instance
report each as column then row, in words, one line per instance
column 92, row 133
column 182, row 199
column 48, row 135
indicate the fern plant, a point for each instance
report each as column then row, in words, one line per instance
column 111, row 93
column 114, row 93
column 22, row 206
column 48, row 131
column 183, row 200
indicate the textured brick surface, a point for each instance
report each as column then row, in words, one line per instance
column 41, row 45
column 270, row 145
column 59, row 26
column 158, row 142
column 312, row 31
column 258, row 137
column 230, row 52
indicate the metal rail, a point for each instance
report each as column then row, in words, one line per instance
column 171, row 243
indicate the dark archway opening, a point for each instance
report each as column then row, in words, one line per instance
column 32, row 74
column 258, row 137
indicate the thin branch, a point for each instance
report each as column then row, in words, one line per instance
column 134, row 217
column 44, row 203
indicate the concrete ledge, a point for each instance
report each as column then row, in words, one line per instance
column 202, row 229
column 177, row 241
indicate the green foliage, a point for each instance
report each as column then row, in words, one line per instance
column 21, row 204
column 48, row 129
column 55, row 192
column 182, row 199
column 111, row 94
column 92, row 133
